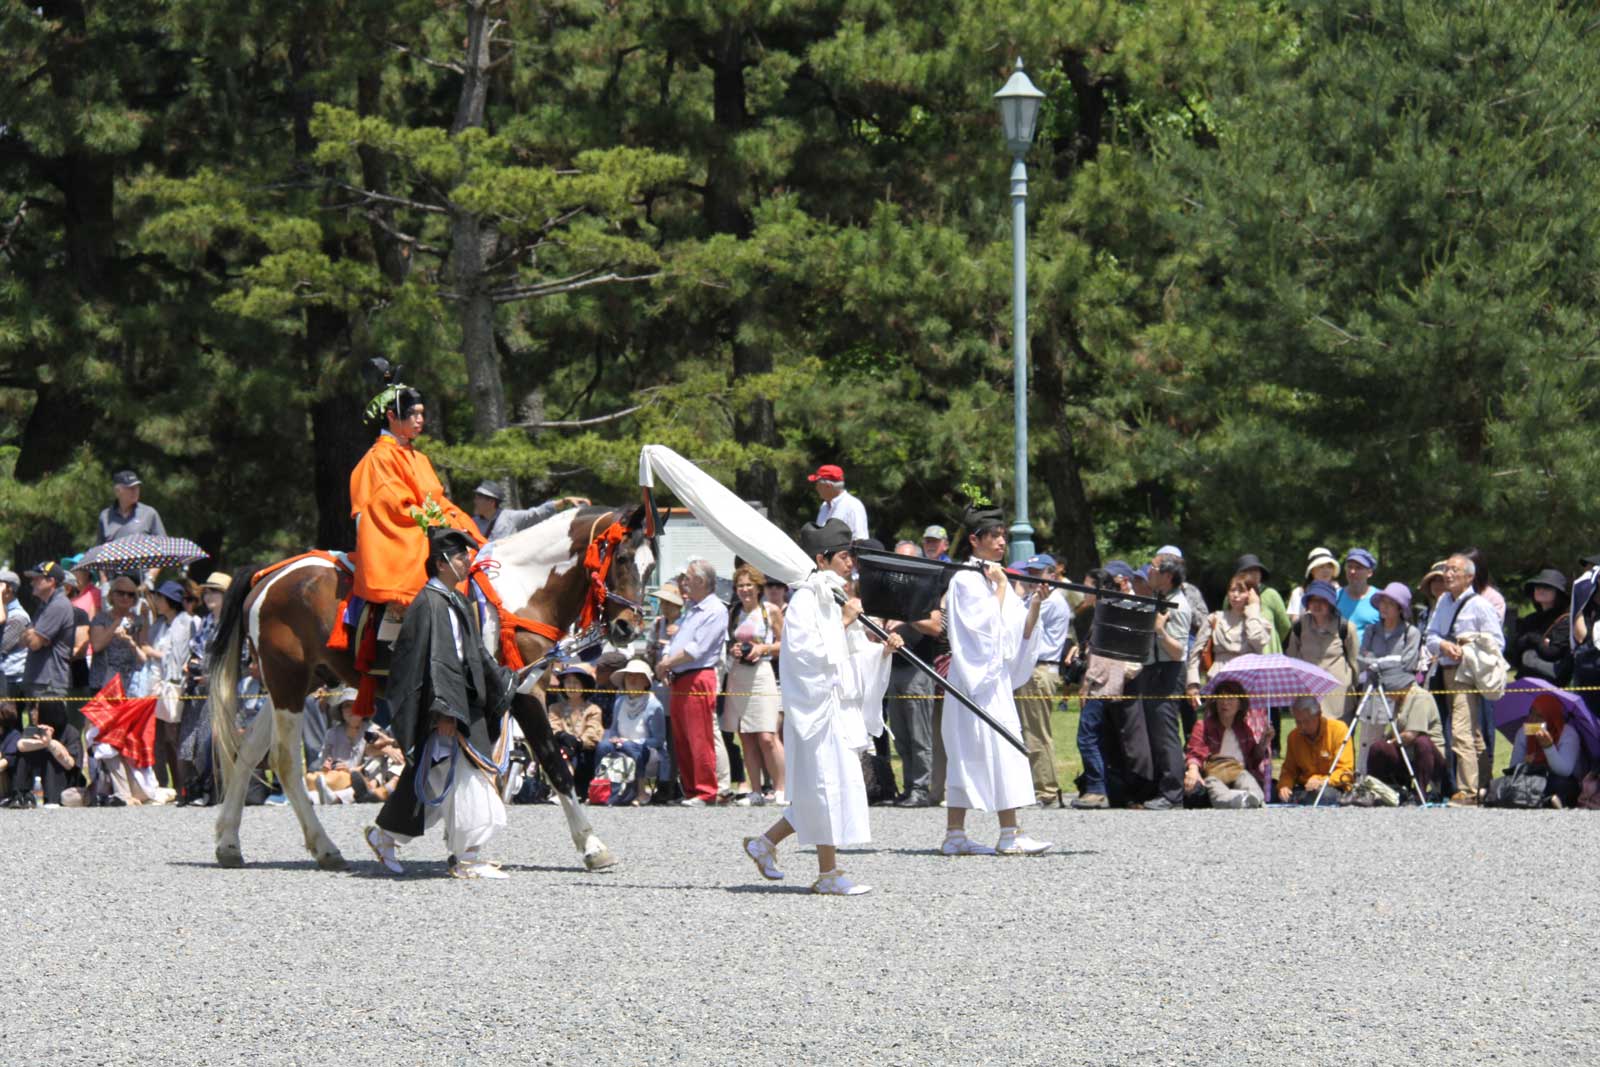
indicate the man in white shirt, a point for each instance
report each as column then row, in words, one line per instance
column 837, row 503
column 1460, row 611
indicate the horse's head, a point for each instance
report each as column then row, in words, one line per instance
column 625, row 582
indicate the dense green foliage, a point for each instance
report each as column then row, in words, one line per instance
column 1315, row 272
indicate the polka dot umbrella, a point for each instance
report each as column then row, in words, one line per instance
column 142, row 552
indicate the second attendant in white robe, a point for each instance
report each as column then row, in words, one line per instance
column 989, row 657
column 833, row 685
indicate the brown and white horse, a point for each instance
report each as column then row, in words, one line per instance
column 541, row 575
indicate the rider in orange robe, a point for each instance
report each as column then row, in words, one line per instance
column 391, row 480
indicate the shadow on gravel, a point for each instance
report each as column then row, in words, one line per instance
column 1062, row 852
column 307, row 864
column 773, row 887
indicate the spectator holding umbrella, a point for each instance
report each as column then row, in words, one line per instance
column 1228, row 764
column 1548, row 745
column 117, row 637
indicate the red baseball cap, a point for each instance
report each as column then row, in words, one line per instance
column 828, row 472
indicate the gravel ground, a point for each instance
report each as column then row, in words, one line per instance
column 1285, row 936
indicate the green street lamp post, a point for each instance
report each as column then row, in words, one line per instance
column 1019, row 103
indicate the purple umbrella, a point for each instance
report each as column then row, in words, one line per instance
column 1511, row 710
column 1273, row 679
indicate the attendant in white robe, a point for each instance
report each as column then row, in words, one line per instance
column 994, row 644
column 833, row 685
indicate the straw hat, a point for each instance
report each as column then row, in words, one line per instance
column 635, row 666
column 1435, row 571
column 1317, row 557
column 668, row 594
column 218, row 581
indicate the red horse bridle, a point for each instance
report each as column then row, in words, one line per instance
column 597, row 561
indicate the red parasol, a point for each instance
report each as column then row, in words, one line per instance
column 129, row 726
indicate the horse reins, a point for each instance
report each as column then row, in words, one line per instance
column 597, row 560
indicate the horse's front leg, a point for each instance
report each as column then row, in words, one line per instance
column 530, row 715
column 289, row 760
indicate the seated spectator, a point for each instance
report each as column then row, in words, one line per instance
column 1240, row 628
column 1321, row 566
column 114, row 781
column 638, row 730
column 10, row 734
column 605, row 684
column 575, row 720
column 1227, row 764
column 358, row 762
column 1319, row 636
column 1542, row 647
column 117, row 638
column 48, row 751
column 1545, row 746
column 1421, row 733
column 1313, row 743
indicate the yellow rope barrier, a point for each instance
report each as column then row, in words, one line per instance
column 1018, row 696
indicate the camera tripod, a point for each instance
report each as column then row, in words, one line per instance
column 1376, row 709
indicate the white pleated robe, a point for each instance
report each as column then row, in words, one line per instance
column 832, row 690
column 989, row 657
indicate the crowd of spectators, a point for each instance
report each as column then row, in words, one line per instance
column 695, row 717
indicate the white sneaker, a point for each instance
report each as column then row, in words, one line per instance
column 691, row 802
column 838, row 884
column 957, row 843
column 324, row 794
column 1020, row 844
column 382, row 846
column 764, row 856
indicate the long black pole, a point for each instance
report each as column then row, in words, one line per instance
column 921, row 665
column 1074, row 586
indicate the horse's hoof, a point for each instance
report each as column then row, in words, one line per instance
column 331, row 861
column 229, row 856
column 599, row 861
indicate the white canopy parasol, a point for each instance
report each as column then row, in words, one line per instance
column 736, row 524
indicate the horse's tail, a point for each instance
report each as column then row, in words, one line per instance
column 222, row 666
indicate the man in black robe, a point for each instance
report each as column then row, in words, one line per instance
column 442, row 681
